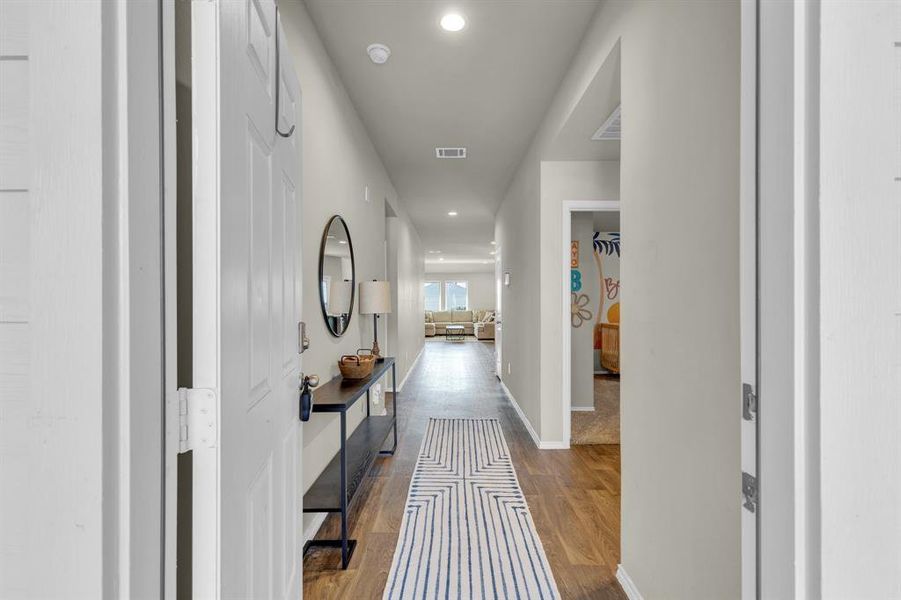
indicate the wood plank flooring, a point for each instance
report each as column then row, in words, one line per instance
column 574, row 495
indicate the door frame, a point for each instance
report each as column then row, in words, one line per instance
column 96, row 131
column 569, row 207
column 748, row 288
column 788, row 297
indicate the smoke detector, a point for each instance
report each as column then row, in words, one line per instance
column 612, row 127
column 378, row 53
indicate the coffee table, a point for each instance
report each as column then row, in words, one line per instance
column 454, row 333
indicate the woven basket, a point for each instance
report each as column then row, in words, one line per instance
column 354, row 366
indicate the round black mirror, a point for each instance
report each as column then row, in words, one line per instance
column 337, row 276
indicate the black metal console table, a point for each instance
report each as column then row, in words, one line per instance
column 335, row 487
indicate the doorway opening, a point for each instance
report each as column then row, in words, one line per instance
column 590, row 322
column 461, row 307
column 593, row 313
column 594, row 327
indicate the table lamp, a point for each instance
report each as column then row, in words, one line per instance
column 375, row 300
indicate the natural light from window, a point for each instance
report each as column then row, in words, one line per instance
column 456, row 295
column 432, row 291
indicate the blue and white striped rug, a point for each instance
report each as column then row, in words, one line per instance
column 467, row 532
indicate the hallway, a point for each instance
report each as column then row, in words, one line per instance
column 573, row 495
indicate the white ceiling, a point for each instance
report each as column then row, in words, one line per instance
column 486, row 88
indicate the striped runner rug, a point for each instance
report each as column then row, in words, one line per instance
column 467, row 532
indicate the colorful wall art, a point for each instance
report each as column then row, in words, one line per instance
column 606, row 257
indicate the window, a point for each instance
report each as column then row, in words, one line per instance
column 432, row 291
column 456, row 295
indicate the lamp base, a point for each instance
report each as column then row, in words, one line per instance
column 376, row 352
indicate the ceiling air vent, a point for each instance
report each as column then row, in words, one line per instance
column 611, row 129
column 450, row 152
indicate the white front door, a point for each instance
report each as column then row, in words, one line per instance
column 247, row 278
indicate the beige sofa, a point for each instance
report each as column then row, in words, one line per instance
column 484, row 330
column 473, row 322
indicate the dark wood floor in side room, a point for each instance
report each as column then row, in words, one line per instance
column 574, row 495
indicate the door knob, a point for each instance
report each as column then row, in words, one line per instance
column 308, row 382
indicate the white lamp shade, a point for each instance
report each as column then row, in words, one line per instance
column 340, row 295
column 375, row 297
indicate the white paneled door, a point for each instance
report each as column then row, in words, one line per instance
column 246, row 265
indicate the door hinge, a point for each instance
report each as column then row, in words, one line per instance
column 748, row 402
column 749, row 491
column 196, row 419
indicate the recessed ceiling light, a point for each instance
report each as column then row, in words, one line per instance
column 330, row 237
column 378, row 53
column 492, row 253
column 434, row 251
column 440, row 258
column 493, row 243
column 453, row 22
column 452, row 213
column 342, row 241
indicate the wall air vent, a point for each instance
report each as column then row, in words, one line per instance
column 450, row 152
column 611, row 129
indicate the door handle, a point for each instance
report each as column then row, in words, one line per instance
column 307, row 383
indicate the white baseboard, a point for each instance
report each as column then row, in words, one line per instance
column 627, row 584
column 541, row 445
column 522, row 416
column 312, row 529
column 581, row 408
column 410, row 370
column 554, row 446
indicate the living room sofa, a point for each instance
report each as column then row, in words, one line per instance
column 473, row 321
column 484, row 330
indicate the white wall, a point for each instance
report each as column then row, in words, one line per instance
column 481, row 287
column 562, row 181
column 405, row 270
column 679, row 181
column 338, row 162
column 528, row 234
column 516, row 234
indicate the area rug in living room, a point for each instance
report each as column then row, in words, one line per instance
column 466, row 530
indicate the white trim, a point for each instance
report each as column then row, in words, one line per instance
column 312, row 529
column 581, row 409
column 569, row 207
column 541, row 445
column 553, row 446
column 206, row 549
column 748, row 282
column 170, row 299
column 410, row 370
column 627, row 584
column 522, row 416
